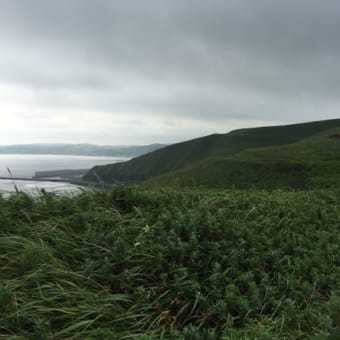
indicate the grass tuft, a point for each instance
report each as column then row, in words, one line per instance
column 165, row 264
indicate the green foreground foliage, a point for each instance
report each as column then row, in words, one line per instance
column 135, row 263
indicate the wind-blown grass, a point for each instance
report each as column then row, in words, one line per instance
column 134, row 263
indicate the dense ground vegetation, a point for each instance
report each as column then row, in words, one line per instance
column 150, row 264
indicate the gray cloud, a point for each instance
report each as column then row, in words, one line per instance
column 181, row 68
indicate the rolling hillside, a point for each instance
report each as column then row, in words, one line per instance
column 324, row 146
column 217, row 146
column 229, row 173
column 311, row 162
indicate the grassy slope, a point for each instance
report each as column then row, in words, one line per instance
column 219, row 145
column 324, row 146
column 228, row 173
column 173, row 265
column 296, row 165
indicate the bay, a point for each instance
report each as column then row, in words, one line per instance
column 34, row 187
column 25, row 166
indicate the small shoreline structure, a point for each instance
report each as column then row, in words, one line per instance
column 72, row 176
column 61, row 174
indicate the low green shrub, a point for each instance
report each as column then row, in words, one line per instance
column 150, row 264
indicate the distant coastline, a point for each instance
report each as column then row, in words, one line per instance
column 28, row 165
column 79, row 149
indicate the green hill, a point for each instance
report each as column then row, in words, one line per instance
column 229, row 173
column 311, row 162
column 185, row 154
column 323, row 146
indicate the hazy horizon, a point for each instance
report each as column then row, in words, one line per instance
column 127, row 73
column 27, row 165
column 65, row 143
column 131, row 145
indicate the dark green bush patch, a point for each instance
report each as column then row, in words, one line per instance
column 150, row 264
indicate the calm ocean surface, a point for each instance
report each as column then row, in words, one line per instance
column 34, row 187
column 27, row 165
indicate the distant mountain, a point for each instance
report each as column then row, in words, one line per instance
column 80, row 149
column 202, row 151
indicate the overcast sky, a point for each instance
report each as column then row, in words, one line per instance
column 137, row 72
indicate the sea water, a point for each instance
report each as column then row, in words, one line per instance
column 25, row 166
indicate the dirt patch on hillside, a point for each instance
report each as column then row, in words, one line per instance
column 335, row 137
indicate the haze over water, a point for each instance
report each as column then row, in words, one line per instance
column 27, row 165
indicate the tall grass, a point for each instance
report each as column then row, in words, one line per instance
column 133, row 263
